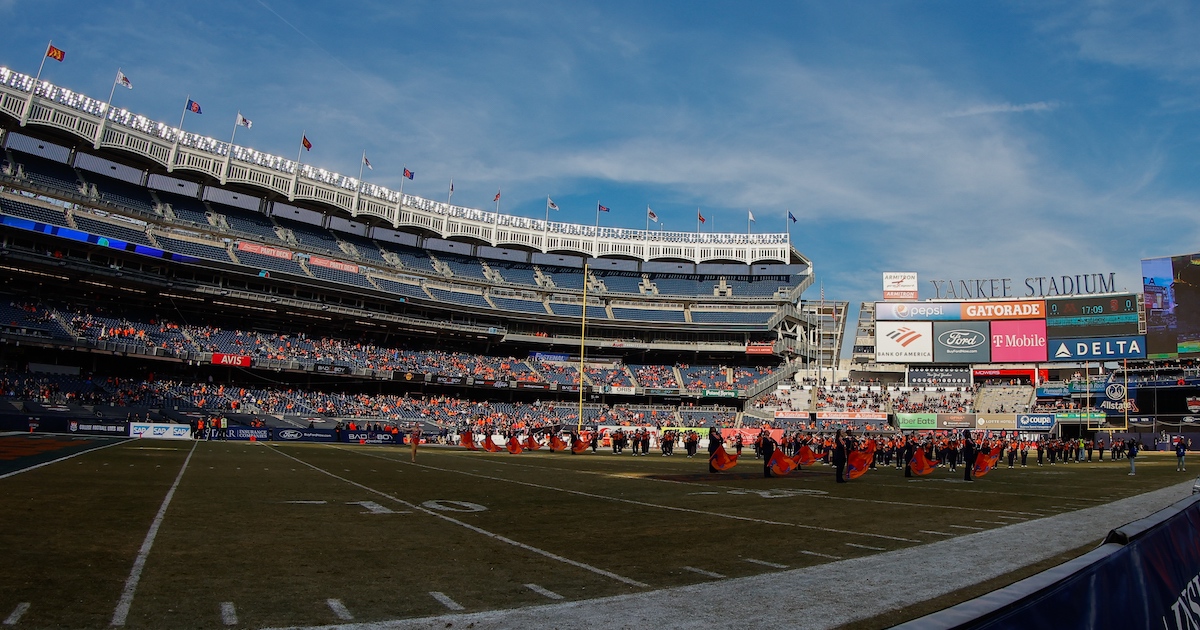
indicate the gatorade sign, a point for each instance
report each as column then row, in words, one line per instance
column 1098, row 348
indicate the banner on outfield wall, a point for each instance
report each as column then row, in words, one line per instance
column 1035, row 422
column 955, row 420
column 904, row 342
column 996, row 421
column 304, row 435
column 899, row 285
column 247, row 433
column 371, row 437
column 851, row 415
column 231, row 360
column 792, row 415
column 329, row 263
column 255, row 248
column 160, row 430
column 917, row 421
column 95, row 428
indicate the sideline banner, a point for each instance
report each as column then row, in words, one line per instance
column 160, row 430
column 303, row 435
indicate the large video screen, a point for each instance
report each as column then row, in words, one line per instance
column 1172, row 297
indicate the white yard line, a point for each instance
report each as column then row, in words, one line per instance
column 16, row 614
column 865, row 547
column 339, row 609
column 446, row 601
column 228, row 614
column 139, row 564
column 710, row 574
column 970, row 527
column 926, row 531
column 773, row 565
column 478, row 530
column 544, row 592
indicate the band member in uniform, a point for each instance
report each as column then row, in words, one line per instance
column 968, row 455
column 767, row 446
column 715, row 441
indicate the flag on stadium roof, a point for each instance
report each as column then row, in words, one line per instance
column 650, row 215
column 194, row 107
column 409, row 174
column 56, row 54
column 550, row 204
column 243, row 121
column 305, row 143
column 601, row 208
column 367, row 163
column 699, row 216
column 791, row 216
column 751, row 215
column 123, row 80
column 497, row 197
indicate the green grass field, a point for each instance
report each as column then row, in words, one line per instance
column 275, row 532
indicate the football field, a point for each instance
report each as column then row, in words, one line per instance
column 162, row 534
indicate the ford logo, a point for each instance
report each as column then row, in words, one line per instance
column 289, row 434
column 962, row 338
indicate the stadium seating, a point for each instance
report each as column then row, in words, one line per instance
column 52, row 216
column 648, row 314
column 49, row 174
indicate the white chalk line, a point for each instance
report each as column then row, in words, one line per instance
column 647, row 504
column 339, row 609
column 446, row 601
column 478, row 530
column 16, row 614
column 865, row 547
column 773, row 565
column 544, row 592
column 228, row 614
column 139, row 564
column 711, row 574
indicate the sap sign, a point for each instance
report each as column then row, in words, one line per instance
column 1098, row 348
column 1035, row 421
column 902, row 311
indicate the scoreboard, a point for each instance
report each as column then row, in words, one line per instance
column 1095, row 316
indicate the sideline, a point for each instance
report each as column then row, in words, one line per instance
column 60, row 459
column 478, row 530
column 139, row 564
column 803, row 598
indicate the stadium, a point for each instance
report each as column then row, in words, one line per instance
column 177, row 304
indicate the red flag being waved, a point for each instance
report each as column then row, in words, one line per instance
column 920, row 464
column 722, row 460
column 514, row 446
column 489, row 445
column 859, row 460
column 579, row 446
column 805, row 457
column 467, row 441
column 781, row 464
column 557, row 444
column 55, row 53
column 531, row 443
column 985, row 462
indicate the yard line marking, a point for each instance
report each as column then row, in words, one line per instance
column 308, row 502
column 339, row 609
column 16, row 614
column 820, row 555
column 63, row 458
column 542, row 591
column 926, row 531
column 773, row 565
column 992, row 522
column 865, row 547
column 478, row 530
column 978, row 529
column 653, row 505
column 710, row 574
column 228, row 614
column 135, row 575
column 1013, row 518
column 446, row 601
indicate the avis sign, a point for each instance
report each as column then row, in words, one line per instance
column 1098, row 348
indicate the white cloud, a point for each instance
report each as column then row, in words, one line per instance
column 1004, row 108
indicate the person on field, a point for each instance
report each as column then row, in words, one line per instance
column 1180, row 452
column 767, row 446
column 969, row 453
column 715, row 441
column 839, row 456
column 1131, row 451
column 414, row 438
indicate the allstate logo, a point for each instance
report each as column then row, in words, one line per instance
column 1115, row 391
column 962, row 338
column 289, row 434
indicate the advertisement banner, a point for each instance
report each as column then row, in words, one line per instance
column 792, row 415
column 1020, row 309
column 329, row 263
column 904, row 342
column 961, row 342
column 489, row 383
column 1098, row 349
column 1123, row 324
column 996, row 421
column 918, row 311
column 1117, row 400
column 1035, row 422
column 942, row 377
column 95, row 428
column 255, row 248
column 1080, row 417
column 1053, row 392
column 760, row 348
column 720, row 393
column 749, row 436
column 534, row 386
column 899, row 285
column 1021, row 341
column 232, row 360
column 955, row 420
column 245, row 433
column 661, row 391
column 160, row 430
column 371, row 437
column 304, row 435
column 624, row 391
column 917, row 421
column 449, row 380
column 549, row 356
column 851, row 415
column 325, row 368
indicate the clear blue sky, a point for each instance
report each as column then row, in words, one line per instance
column 955, row 139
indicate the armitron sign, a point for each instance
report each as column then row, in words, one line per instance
column 899, row 285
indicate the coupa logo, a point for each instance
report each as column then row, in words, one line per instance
column 962, row 338
column 1035, row 421
column 288, row 434
column 904, row 336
